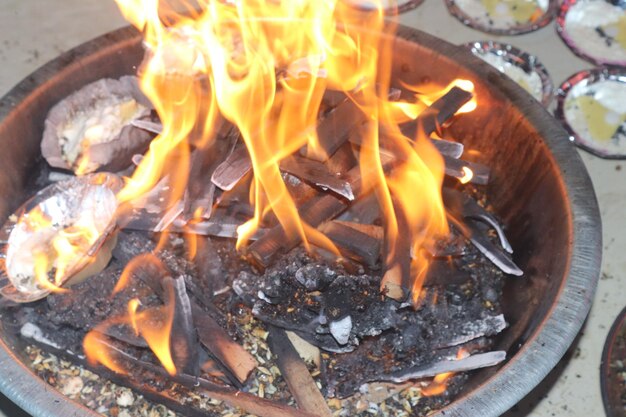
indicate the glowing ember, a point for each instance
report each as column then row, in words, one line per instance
column 468, row 174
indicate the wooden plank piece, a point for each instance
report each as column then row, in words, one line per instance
column 232, row 355
column 301, row 384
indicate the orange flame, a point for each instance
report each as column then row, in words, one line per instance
column 468, row 174
column 438, row 386
column 153, row 324
column 97, row 352
column 264, row 65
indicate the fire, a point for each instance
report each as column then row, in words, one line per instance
column 468, row 174
column 153, row 324
column 439, row 384
column 264, row 66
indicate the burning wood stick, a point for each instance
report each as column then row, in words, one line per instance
column 445, row 147
column 476, row 361
column 431, row 119
column 299, row 380
column 233, row 169
column 234, row 357
column 144, row 371
column 397, row 279
column 479, row 239
column 457, row 168
column 183, row 338
column 448, row 148
column 359, row 242
column 314, row 212
column 334, row 129
column 317, row 174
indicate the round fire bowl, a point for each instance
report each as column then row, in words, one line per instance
column 539, row 187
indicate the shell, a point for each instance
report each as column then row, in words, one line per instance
column 89, row 199
column 112, row 155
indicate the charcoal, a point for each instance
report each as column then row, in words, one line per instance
column 89, row 304
column 477, row 233
column 315, row 276
column 465, row 206
column 130, row 244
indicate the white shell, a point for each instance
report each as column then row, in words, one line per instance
column 88, row 200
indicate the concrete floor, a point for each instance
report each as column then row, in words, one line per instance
column 34, row 31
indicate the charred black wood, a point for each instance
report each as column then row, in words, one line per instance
column 334, row 129
column 456, row 168
column 315, row 212
column 448, row 148
column 183, row 337
column 431, row 119
column 445, row 147
column 233, row 169
column 364, row 210
column 465, row 206
column 301, row 384
column 354, row 243
column 476, row 232
column 318, row 174
column 229, row 353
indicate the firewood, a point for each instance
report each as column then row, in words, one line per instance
column 295, row 372
column 229, row 172
column 431, row 119
column 143, row 371
column 318, row 174
column 473, row 231
column 230, row 354
column 334, row 129
column 397, row 280
column 455, row 168
column 354, row 243
column 477, row 361
column 183, row 337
